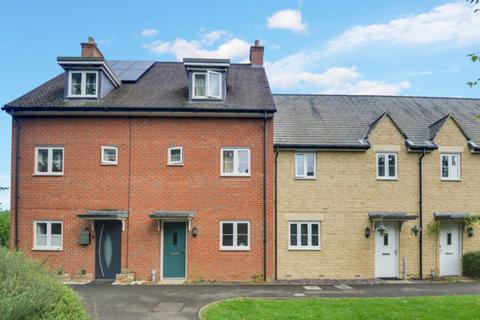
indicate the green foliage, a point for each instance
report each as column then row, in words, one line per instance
column 471, row 264
column 434, row 228
column 475, row 57
column 421, row 308
column 4, row 228
column 29, row 291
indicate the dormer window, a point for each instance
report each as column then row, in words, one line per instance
column 83, row 84
column 207, row 85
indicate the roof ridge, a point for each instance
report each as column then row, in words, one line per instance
column 372, row 95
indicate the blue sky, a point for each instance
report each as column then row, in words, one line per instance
column 352, row 47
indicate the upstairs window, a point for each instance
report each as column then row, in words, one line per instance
column 175, row 156
column 49, row 161
column 305, row 165
column 207, row 85
column 83, row 84
column 386, row 166
column 450, row 166
column 235, row 162
column 109, row 155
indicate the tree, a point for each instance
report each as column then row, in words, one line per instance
column 3, row 188
column 475, row 56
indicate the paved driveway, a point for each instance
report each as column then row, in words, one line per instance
column 106, row 301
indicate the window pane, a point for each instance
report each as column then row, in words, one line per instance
column 214, row 84
column 310, row 164
column 385, row 239
column 56, row 228
column 304, row 234
column 454, row 171
column 227, row 240
column 314, row 234
column 56, row 240
column 228, row 161
column 91, row 84
column 227, row 234
column 242, row 228
column 243, row 161
column 41, row 234
column 199, row 85
column 381, row 165
column 57, row 160
column 293, row 234
column 391, row 165
column 242, row 240
column 76, row 84
column 109, row 155
column 42, row 160
column 299, row 170
column 227, row 228
column 444, row 166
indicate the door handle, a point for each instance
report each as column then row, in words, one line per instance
column 448, row 253
column 385, row 254
column 175, row 253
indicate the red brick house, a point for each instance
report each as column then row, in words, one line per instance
column 161, row 168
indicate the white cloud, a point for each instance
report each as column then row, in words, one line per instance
column 287, row 19
column 453, row 23
column 210, row 38
column 149, row 32
column 290, row 73
column 234, row 49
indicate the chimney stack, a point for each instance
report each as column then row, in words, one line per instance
column 256, row 54
column 90, row 49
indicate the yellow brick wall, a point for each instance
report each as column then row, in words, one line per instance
column 346, row 189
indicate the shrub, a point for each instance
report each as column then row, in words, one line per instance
column 471, row 264
column 4, row 228
column 29, row 291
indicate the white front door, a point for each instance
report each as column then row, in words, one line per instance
column 450, row 244
column 386, row 251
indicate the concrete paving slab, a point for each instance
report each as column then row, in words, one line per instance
column 312, row 288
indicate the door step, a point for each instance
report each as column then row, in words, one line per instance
column 172, row 281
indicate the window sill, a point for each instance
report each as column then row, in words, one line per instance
column 305, row 178
column 48, row 174
column 109, row 164
column 234, row 249
column 235, row 175
column 451, row 180
column 48, row 249
column 387, row 179
column 304, row 249
column 175, row 164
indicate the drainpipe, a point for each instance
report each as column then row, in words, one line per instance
column 17, row 178
column 265, row 197
column 420, row 203
column 276, row 214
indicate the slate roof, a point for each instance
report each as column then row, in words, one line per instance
column 338, row 121
column 164, row 87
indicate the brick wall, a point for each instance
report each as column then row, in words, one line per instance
column 142, row 182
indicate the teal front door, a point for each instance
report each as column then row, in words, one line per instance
column 174, row 249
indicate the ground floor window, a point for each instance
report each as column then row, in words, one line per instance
column 304, row 235
column 235, row 235
column 48, row 235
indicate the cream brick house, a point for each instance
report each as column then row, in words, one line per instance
column 362, row 181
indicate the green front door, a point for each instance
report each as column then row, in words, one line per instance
column 174, row 249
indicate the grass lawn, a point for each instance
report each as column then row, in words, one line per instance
column 444, row 307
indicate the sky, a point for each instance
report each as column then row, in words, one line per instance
column 313, row 46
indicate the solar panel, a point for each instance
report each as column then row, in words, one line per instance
column 127, row 70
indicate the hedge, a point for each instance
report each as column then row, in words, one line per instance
column 29, row 291
column 471, row 264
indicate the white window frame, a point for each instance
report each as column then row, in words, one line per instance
column 235, row 172
column 304, row 175
column 235, row 246
column 208, row 94
column 48, row 246
column 175, row 163
column 83, row 88
column 299, row 235
column 109, row 163
column 50, row 161
column 386, row 155
column 450, row 155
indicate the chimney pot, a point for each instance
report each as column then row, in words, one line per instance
column 90, row 49
column 256, row 54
